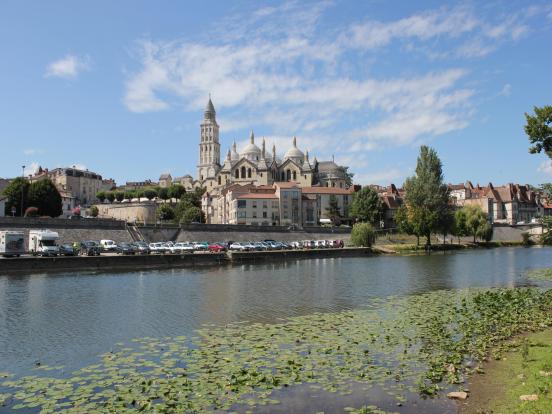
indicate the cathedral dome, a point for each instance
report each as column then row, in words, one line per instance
column 294, row 153
column 251, row 151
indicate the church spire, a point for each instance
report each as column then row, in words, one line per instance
column 294, row 141
column 210, row 112
column 263, row 150
column 252, row 137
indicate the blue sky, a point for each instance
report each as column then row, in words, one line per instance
column 120, row 87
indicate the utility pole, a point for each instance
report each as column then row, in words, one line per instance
column 22, row 187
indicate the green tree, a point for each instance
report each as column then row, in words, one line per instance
column 476, row 222
column 546, row 237
column 101, row 195
column 139, row 194
column 539, row 130
column 17, row 188
column 460, row 228
column 44, row 195
column 362, row 235
column 427, row 197
column 176, row 191
column 129, row 195
column 546, row 188
column 402, row 223
column 119, row 196
column 150, row 193
column 110, row 195
column 333, row 208
column 163, row 193
column 446, row 223
column 485, row 231
column 366, row 206
column 165, row 212
column 94, row 211
column 192, row 214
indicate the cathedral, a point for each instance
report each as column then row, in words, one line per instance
column 257, row 166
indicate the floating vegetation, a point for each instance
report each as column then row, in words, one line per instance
column 539, row 274
column 422, row 343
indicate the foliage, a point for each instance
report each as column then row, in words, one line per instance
column 485, row 232
column 110, row 195
column 119, row 196
column 17, row 188
column 460, row 228
column 476, row 223
column 165, row 212
column 366, row 206
column 101, row 195
column 546, row 237
column 139, row 194
column 362, row 235
column 44, row 195
column 176, row 191
column 401, row 344
column 31, row 212
column 333, row 209
column 192, row 215
column 129, row 195
column 401, row 221
column 427, row 197
column 94, row 211
column 539, row 130
column 163, row 193
column 347, row 175
column 546, row 188
column 150, row 193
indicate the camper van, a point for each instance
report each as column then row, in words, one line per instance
column 12, row 243
column 43, row 242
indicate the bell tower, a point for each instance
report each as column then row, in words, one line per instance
column 209, row 146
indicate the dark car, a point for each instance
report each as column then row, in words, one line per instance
column 126, row 248
column 89, row 248
column 141, row 247
column 66, row 250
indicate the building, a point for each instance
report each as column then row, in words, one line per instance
column 76, row 184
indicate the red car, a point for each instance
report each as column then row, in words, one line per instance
column 216, row 248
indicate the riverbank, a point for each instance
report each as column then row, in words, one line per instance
column 408, row 248
column 520, row 382
column 143, row 262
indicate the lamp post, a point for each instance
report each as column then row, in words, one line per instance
column 22, row 187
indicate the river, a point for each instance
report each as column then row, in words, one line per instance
column 71, row 318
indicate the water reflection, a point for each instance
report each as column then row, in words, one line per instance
column 71, row 318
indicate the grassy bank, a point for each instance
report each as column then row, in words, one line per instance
column 411, row 248
column 525, row 370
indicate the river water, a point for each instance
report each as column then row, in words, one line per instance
column 69, row 319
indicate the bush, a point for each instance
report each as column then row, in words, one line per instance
column 191, row 215
column 119, row 196
column 362, row 235
column 94, row 211
column 31, row 212
column 101, row 195
column 110, row 195
column 165, row 212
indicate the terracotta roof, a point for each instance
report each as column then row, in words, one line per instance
column 327, row 190
column 258, row 196
column 286, row 184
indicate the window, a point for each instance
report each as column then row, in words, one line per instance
column 241, row 214
column 265, row 204
column 274, row 204
column 254, row 204
column 237, row 173
column 254, row 214
column 264, row 214
column 288, row 174
column 242, row 203
column 249, row 173
column 294, row 176
column 219, row 180
column 242, row 172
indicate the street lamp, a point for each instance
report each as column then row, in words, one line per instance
column 22, row 186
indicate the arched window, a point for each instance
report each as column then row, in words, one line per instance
column 294, row 176
column 237, row 173
column 242, row 172
column 288, row 174
column 283, row 176
column 249, row 173
column 219, row 180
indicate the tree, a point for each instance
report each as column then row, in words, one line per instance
column 362, row 234
column 16, row 189
column 191, row 215
column 539, row 130
column 333, row 208
column 101, row 195
column 94, row 211
column 546, row 237
column 44, row 195
column 163, row 193
column 129, row 195
column 119, row 196
column 176, row 191
column 460, row 228
column 139, row 194
column 546, row 188
column 427, row 197
column 347, row 175
column 402, row 223
column 476, row 222
column 485, row 231
column 165, row 212
column 446, row 223
column 110, row 195
column 366, row 206
column 150, row 193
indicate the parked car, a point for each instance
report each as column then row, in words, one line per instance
column 126, row 249
column 158, row 248
column 89, row 248
column 238, row 246
column 181, row 247
column 296, row 245
column 108, row 245
column 142, row 247
column 201, row 246
column 216, row 247
column 66, row 250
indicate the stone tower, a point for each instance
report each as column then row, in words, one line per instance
column 209, row 146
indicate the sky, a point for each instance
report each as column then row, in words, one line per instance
column 120, row 87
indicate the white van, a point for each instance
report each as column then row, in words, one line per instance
column 108, row 245
column 12, row 243
column 43, row 242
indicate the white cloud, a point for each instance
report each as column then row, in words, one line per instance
column 545, row 167
column 30, row 151
column 68, row 67
column 506, row 90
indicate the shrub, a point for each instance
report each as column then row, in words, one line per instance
column 362, row 235
column 119, row 196
column 31, row 212
column 94, row 211
column 191, row 215
column 110, row 195
column 101, row 196
column 165, row 212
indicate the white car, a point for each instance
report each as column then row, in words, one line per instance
column 108, row 245
column 158, row 248
column 296, row 245
column 181, row 248
column 238, row 246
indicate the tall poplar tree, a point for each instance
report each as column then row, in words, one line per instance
column 427, row 196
